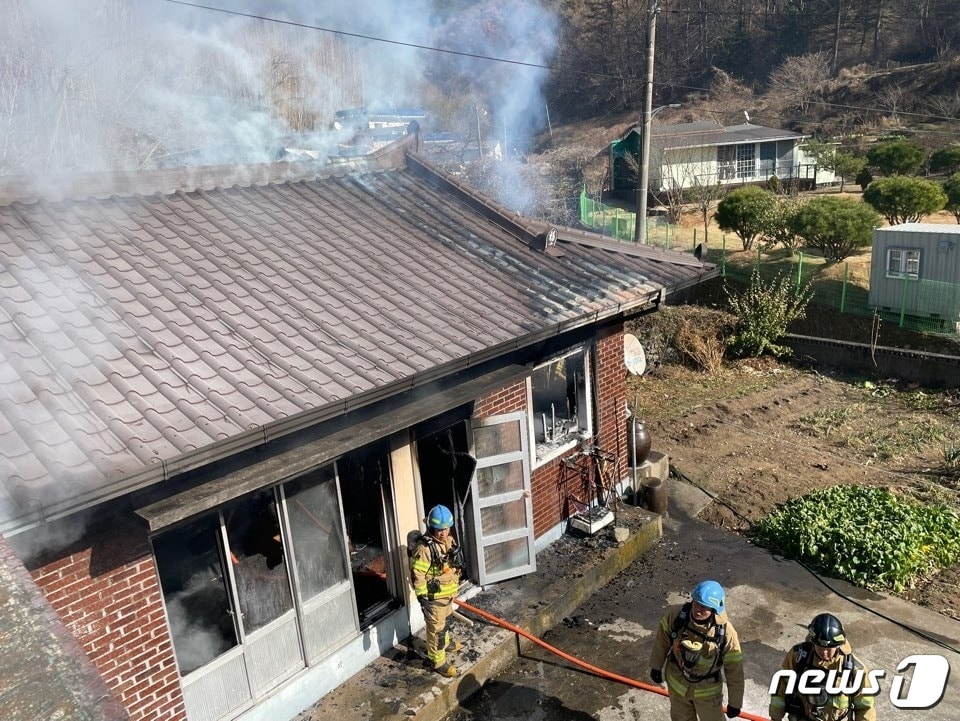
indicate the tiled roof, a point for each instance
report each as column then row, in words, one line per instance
column 145, row 334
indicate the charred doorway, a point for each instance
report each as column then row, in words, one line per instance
column 446, row 468
column 368, row 509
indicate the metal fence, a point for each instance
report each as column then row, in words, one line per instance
column 830, row 287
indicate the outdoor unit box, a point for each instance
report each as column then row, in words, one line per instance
column 915, row 271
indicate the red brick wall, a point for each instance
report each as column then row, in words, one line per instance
column 506, row 400
column 550, row 482
column 611, row 377
column 106, row 591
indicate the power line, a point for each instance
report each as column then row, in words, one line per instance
column 555, row 68
column 374, row 38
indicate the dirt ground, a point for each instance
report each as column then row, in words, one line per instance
column 759, row 432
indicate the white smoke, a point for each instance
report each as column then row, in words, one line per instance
column 97, row 85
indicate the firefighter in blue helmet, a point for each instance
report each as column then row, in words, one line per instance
column 700, row 648
column 435, row 565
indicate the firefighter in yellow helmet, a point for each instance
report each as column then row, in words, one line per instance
column 697, row 642
column 827, row 649
column 435, row 567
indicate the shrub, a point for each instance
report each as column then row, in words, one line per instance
column 778, row 229
column 744, row 212
column 703, row 344
column 897, row 157
column 764, row 310
column 867, row 536
column 946, row 159
column 837, row 227
column 905, row 200
column 952, row 189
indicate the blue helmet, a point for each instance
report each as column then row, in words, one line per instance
column 440, row 518
column 709, row 594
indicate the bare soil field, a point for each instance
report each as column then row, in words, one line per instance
column 760, row 432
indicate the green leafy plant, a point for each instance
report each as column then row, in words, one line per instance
column 868, row 536
column 764, row 310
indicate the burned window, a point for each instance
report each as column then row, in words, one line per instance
column 317, row 532
column 259, row 566
column 558, row 404
column 194, row 582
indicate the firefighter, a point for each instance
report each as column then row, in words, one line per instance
column 695, row 648
column 435, row 566
column 826, row 648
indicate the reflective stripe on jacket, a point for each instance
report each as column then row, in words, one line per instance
column 837, row 705
column 430, row 560
column 663, row 648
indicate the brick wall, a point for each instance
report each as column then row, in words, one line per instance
column 550, row 483
column 506, row 400
column 106, row 591
column 611, row 375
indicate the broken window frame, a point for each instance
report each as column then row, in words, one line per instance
column 543, row 411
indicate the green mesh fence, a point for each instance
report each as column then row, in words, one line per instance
column 925, row 305
column 621, row 224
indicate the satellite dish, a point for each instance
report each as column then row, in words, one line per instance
column 633, row 356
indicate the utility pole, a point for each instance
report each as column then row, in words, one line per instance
column 640, row 226
column 477, row 109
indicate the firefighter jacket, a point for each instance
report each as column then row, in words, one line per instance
column 432, row 567
column 699, row 678
column 803, row 657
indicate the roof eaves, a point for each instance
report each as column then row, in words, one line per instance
column 221, row 450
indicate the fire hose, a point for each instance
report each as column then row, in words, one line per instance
column 595, row 670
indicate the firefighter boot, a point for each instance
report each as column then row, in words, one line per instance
column 447, row 669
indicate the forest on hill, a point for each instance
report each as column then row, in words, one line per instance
column 747, row 40
column 106, row 84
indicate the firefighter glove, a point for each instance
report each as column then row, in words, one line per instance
column 732, row 711
column 433, row 587
column 656, row 675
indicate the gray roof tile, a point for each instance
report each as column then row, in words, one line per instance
column 143, row 328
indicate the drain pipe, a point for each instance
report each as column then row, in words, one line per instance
column 626, row 680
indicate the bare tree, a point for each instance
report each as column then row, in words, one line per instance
column 801, row 80
column 892, row 98
column 946, row 106
column 705, row 195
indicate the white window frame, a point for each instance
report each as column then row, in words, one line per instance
column 542, row 453
column 904, row 259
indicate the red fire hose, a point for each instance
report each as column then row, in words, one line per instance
column 626, row 680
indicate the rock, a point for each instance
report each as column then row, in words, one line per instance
column 620, row 534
